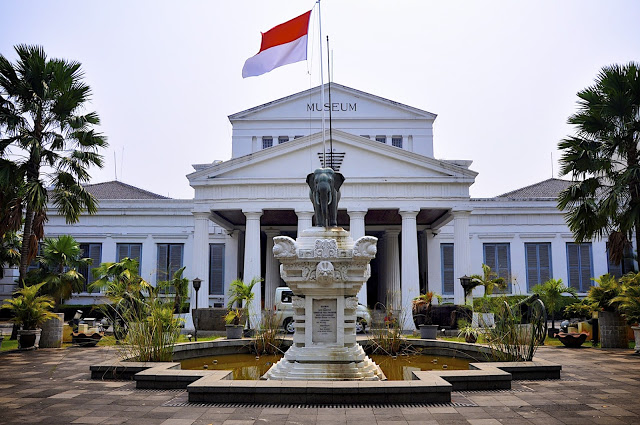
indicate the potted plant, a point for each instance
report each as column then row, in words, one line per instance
column 467, row 331
column 550, row 292
column 603, row 299
column 30, row 312
column 240, row 298
column 629, row 304
column 421, row 310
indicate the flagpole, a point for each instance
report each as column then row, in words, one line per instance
column 324, row 142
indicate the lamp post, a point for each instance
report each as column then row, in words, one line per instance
column 196, row 287
column 465, row 281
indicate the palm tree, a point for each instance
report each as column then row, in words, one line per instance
column 604, row 161
column 61, row 258
column 46, row 141
column 9, row 251
column 550, row 293
column 241, row 295
column 489, row 279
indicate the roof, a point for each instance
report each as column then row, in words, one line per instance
column 243, row 114
column 549, row 189
column 119, row 190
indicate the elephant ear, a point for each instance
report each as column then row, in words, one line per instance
column 310, row 178
column 338, row 179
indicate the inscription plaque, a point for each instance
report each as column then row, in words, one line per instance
column 325, row 321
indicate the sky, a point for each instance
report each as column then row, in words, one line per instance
column 502, row 76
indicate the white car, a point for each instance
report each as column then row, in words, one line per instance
column 284, row 307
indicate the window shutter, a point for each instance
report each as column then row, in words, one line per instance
column 175, row 259
column 490, row 256
column 533, row 277
column 216, row 269
column 585, row 267
column 573, row 263
column 614, row 269
column 544, row 254
column 162, row 264
column 95, row 253
column 123, row 251
column 446, row 251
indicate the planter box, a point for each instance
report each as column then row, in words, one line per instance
column 428, row 331
column 636, row 334
column 234, row 331
column 28, row 339
column 613, row 330
column 52, row 332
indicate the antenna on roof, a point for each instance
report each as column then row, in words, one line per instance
column 115, row 166
column 551, row 164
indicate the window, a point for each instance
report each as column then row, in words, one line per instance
column 35, row 263
column 579, row 263
column 446, row 267
column 216, row 269
column 283, row 139
column 169, row 260
column 396, row 141
column 297, row 137
column 366, row 136
column 498, row 257
column 538, row 259
column 93, row 251
column 381, row 139
column 267, row 142
column 130, row 250
column 625, row 266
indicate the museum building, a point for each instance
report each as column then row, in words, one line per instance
column 430, row 232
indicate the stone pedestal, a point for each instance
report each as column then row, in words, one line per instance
column 325, row 269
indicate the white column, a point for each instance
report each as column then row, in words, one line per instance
column 304, row 220
column 356, row 229
column 461, row 252
column 393, row 294
column 230, row 261
column 200, row 261
column 252, row 262
column 272, row 278
column 410, row 278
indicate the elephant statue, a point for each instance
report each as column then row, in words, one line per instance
column 324, row 184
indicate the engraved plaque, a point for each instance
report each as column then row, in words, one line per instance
column 325, row 321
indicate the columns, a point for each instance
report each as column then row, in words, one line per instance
column 356, row 229
column 230, row 261
column 393, row 295
column 252, row 262
column 410, row 278
column 304, row 220
column 272, row 278
column 461, row 252
column 200, row 260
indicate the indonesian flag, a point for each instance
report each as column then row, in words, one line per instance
column 281, row 45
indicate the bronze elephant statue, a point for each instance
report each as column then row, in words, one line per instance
column 324, row 184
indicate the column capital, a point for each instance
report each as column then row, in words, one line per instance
column 357, row 213
column 462, row 213
column 252, row 214
column 304, row 213
column 272, row 232
column 200, row 215
column 409, row 212
column 391, row 233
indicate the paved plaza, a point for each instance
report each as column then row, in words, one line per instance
column 53, row 386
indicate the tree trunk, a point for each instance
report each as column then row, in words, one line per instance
column 24, row 251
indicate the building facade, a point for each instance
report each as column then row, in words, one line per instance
column 430, row 231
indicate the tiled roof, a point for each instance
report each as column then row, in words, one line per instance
column 548, row 189
column 119, row 190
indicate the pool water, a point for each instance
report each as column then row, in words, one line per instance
column 252, row 367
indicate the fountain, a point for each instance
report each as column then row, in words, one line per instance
column 325, row 269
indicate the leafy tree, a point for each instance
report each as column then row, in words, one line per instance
column 550, row 293
column 9, row 251
column 603, row 160
column 60, row 260
column 46, row 141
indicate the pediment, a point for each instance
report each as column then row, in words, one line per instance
column 358, row 158
column 346, row 103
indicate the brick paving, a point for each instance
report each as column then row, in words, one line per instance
column 53, row 386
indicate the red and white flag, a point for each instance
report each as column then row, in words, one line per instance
column 281, row 45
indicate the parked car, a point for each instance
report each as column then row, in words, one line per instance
column 284, row 307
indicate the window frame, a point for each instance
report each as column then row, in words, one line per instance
column 168, row 271
column 88, row 273
column 581, row 287
column 381, row 139
column 539, row 274
column 444, row 269
column 394, row 141
column 267, row 142
column 129, row 245
column 496, row 267
column 212, row 271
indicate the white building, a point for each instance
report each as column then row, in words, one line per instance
column 430, row 231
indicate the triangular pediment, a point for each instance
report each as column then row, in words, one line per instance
column 359, row 158
column 346, row 103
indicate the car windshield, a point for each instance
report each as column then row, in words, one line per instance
column 286, row 296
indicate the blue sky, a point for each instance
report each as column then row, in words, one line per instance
column 501, row 75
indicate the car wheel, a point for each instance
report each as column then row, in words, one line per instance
column 360, row 325
column 288, row 325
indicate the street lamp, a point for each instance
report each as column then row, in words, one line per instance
column 466, row 283
column 196, row 287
